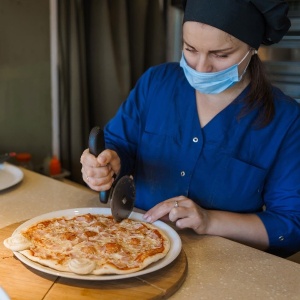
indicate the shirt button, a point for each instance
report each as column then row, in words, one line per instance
column 281, row 238
column 195, row 140
column 182, row 173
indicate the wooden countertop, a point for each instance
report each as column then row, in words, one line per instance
column 217, row 268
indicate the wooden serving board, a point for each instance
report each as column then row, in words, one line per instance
column 23, row 282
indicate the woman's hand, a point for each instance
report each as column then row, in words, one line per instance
column 98, row 172
column 241, row 227
column 183, row 212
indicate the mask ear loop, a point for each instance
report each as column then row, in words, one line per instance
column 242, row 75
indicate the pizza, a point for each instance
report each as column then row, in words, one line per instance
column 91, row 244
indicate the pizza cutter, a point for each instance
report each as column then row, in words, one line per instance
column 121, row 195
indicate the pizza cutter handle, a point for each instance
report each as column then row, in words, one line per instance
column 96, row 146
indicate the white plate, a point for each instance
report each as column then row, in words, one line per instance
column 3, row 295
column 170, row 232
column 9, row 176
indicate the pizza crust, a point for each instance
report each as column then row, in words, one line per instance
column 45, row 262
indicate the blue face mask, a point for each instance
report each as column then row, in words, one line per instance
column 214, row 82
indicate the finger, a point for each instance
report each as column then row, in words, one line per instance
column 105, row 157
column 110, row 157
column 100, row 175
column 162, row 209
column 88, row 159
column 99, row 179
column 177, row 213
column 99, row 185
column 184, row 223
column 98, row 172
column 157, row 212
column 189, row 221
column 193, row 217
column 181, row 218
column 115, row 162
column 181, row 210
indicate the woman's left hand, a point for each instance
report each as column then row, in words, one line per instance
column 182, row 211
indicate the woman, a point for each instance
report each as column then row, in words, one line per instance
column 211, row 144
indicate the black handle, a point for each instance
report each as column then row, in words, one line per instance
column 96, row 146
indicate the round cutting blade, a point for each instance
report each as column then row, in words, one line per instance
column 122, row 198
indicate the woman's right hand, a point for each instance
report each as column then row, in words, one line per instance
column 98, row 172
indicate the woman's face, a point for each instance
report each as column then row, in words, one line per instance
column 208, row 49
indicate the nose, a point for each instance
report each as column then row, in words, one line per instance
column 203, row 64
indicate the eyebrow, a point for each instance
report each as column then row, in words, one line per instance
column 211, row 51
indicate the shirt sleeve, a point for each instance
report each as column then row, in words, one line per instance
column 122, row 133
column 281, row 216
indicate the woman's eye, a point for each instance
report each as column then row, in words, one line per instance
column 190, row 49
column 221, row 55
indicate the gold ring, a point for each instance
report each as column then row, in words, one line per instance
column 176, row 204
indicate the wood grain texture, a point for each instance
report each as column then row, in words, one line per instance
column 22, row 282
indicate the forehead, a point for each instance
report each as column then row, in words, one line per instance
column 202, row 35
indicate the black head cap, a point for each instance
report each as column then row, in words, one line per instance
column 254, row 22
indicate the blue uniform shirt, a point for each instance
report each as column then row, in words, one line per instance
column 227, row 165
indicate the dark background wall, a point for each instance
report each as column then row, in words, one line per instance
column 25, row 92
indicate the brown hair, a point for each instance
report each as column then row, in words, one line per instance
column 260, row 96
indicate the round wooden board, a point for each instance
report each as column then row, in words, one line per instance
column 156, row 285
